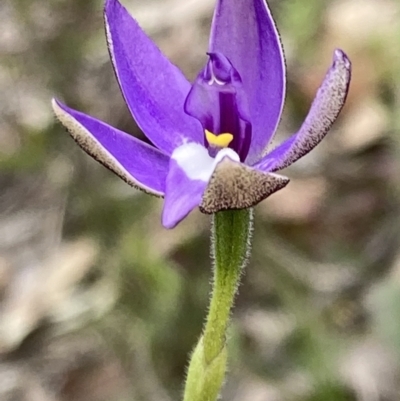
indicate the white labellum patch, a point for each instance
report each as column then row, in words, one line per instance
column 195, row 161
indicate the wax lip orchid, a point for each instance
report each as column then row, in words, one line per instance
column 209, row 137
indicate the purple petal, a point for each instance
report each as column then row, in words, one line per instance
column 182, row 195
column 136, row 162
column 325, row 108
column 244, row 31
column 190, row 170
column 154, row 89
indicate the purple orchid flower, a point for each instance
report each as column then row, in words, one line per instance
column 209, row 137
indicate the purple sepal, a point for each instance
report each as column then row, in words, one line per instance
column 154, row 89
column 244, row 31
column 136, row 162
column 324, row 110
column 182, row 195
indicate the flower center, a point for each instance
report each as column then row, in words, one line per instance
column 217, row 100
column 219, row 141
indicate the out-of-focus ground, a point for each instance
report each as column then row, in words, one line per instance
column 99, row 302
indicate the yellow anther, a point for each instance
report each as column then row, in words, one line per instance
column 220, row 141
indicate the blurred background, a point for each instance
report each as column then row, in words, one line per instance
column 99, row 302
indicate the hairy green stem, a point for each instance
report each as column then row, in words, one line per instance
column 231, row 233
